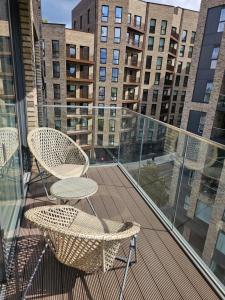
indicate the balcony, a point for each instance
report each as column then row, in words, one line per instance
column 134, row 26
column 133, row 64
column 83, row 60
column 83, row 78
column 146, row 177
column 170, row 68
column 83, row 97
column 135, row 44
column 172, row 51
column 131, row 80
column 175, row 35
column 221, row 103
column 168, row 82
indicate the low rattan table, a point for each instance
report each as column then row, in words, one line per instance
column 72, row 189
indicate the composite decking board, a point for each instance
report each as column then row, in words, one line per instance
column 152, row 263
column 132, row 288
column 183, row 261
column 140, row 272
column 159, row 256
column 160, row 246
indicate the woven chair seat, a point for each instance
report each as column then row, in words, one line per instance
column 67, row 170
column 80, row 240
column 57, row 153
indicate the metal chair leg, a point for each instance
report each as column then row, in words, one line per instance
column 23, row 297
column 43, row 183
column 92, row 207
column 133, row 247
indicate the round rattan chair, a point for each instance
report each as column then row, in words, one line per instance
column 80, row 240
column 57, row 154
column 83, row 241
column 9, row 144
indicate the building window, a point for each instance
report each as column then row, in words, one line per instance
column 105, row 13
column 148, row 62
column 203, row 212
column 153, row 109
column 150, row 43
column 118, row 14
column 147, row 78
column 104, row 33
column 161, row 44
column 112, row 110
column 81, row 22
column 72, row 51
column 71, row 69
column 56, row 69
column 56, row 91
column 190, row 51
column 222, row 21
column 179, row 67
column 58, row 124
column 152, row 26
column 159, row 63
column 112, row 123
column 55, row 49
column 129, row 19
column 115, row 74
column 177, row 81
column 214, row 58
column 71, row 90
column 137, row 21
column 100, row 139
column 101, row 93
column 181, row 108
column 183, row 95
column 186, row 202
column 157, row 78
column 103, row 55
column 145, row 96
column 175, row 95
column 101, row 124
column 101, row 112
column 117, row 35
column 163, row 27
column 102, row 73
column 111, row 139
column 185, row 83
column 182, row 51
column 201, row 123
column 155, row 95
column 193, row 36
column 88, row 16
column 113, row 94
column 116, row 56
column 208, row 91
column 184, row 36
column 188, row 67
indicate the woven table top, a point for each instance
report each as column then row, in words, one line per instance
column 74, row 188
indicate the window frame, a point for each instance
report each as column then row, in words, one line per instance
column 104, row 59
column 102, row 78
column 104, row 38
column 115, row 79
column 104, row 18
column 118, row 20
column 117, row 39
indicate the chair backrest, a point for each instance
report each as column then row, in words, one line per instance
column 9, row 143
column 51, row 148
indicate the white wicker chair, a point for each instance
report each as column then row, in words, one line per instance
column 83, row 241
column 9, row 144
column 57, row 154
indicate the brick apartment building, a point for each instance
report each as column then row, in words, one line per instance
column 141, row 53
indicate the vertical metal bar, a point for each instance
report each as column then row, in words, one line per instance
column 142, row 141
column 2, row 258
column 181, row 173
column 4, row 152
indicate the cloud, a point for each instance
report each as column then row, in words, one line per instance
column 59, row 11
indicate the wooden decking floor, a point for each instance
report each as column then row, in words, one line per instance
column 163, row 271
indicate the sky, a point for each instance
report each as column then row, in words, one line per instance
column 60, row 11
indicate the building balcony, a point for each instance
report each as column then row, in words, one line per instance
column 134, row 26
column 130, row 98
column 175, row 36
column 84, row 78
column 168, row 82
column 132, row 64
column 145, row 177
column 170, row 68
column 129, row 80
column 81, row 60
column 172, row 51
column 79, row 129
column 135, row 44
column 221, row 103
